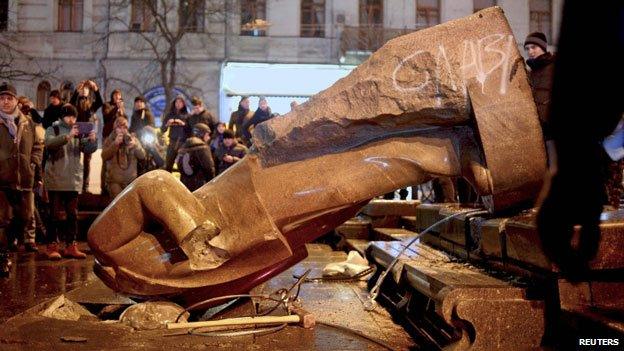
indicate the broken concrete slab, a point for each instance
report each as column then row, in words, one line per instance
column 65, row 309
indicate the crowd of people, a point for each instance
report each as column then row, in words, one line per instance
column 45, row 160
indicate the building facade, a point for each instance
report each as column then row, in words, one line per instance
column 119, row 42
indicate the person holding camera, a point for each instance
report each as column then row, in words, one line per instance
column 141, row 116
column 121, row 152
column 64, row 169
column 175, row 122
column 112, row 110
column 87, row 100
column 195, row 160
column 154, row 150
column 229, row 152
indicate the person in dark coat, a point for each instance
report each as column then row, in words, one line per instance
column 240, row 117
column 175, row 122
column 87, row 105
column 216, row 140
column 21, row 151
column 141, row 116
column 262, row 114
column 542, row 67
column 52, row 113
column 63, row 179
column 112, row 110
column 195, row 160
column 230, row 152
column 199, row 114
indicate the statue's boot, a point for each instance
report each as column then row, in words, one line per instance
column 452, row 100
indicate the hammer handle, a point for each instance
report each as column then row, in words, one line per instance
column 237, row 321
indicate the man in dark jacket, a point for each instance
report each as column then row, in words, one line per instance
column 230, row 152
column 240, row 117
column 52, row 113
column 63, row 179
column 542, row 67
column 111, row 111
column 86, row 107
column 174, row 123
column 141, row 116
column 195, row 159
column 20, row 152
column 262, row 114
column 199, row 114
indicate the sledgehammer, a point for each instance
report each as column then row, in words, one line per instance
column 299, row 316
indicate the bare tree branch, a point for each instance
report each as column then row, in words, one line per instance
column 163, row 38
column 17, row 65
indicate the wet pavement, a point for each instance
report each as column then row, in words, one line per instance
column 34, row 280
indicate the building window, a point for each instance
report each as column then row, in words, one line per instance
column 479, row 5
column 253, row 18
column 427, row 13
column 191, row 15
column 540, row 17
column 4, row 15
column 43, row 91
column 142, row 19
column 371, row 13
column 70, row 15
column 313, row 18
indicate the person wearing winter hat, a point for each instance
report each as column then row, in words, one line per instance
column 21, row 151
column 52, row 113
column 541, row 62
column 229, row 152
column 195, row 160
column 63, row 179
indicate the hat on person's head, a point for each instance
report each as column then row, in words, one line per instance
column 68, row 110
column 7, row 89
column 139, row 98
column 228, row 134
column 537, row 38
column 200, row 129
column 196, row 101
column 55, row 93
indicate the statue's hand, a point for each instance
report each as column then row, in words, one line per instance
column 156, row 203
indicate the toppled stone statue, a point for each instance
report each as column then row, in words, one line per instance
column 452, row 100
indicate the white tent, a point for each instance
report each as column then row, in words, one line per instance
column 279, row 83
